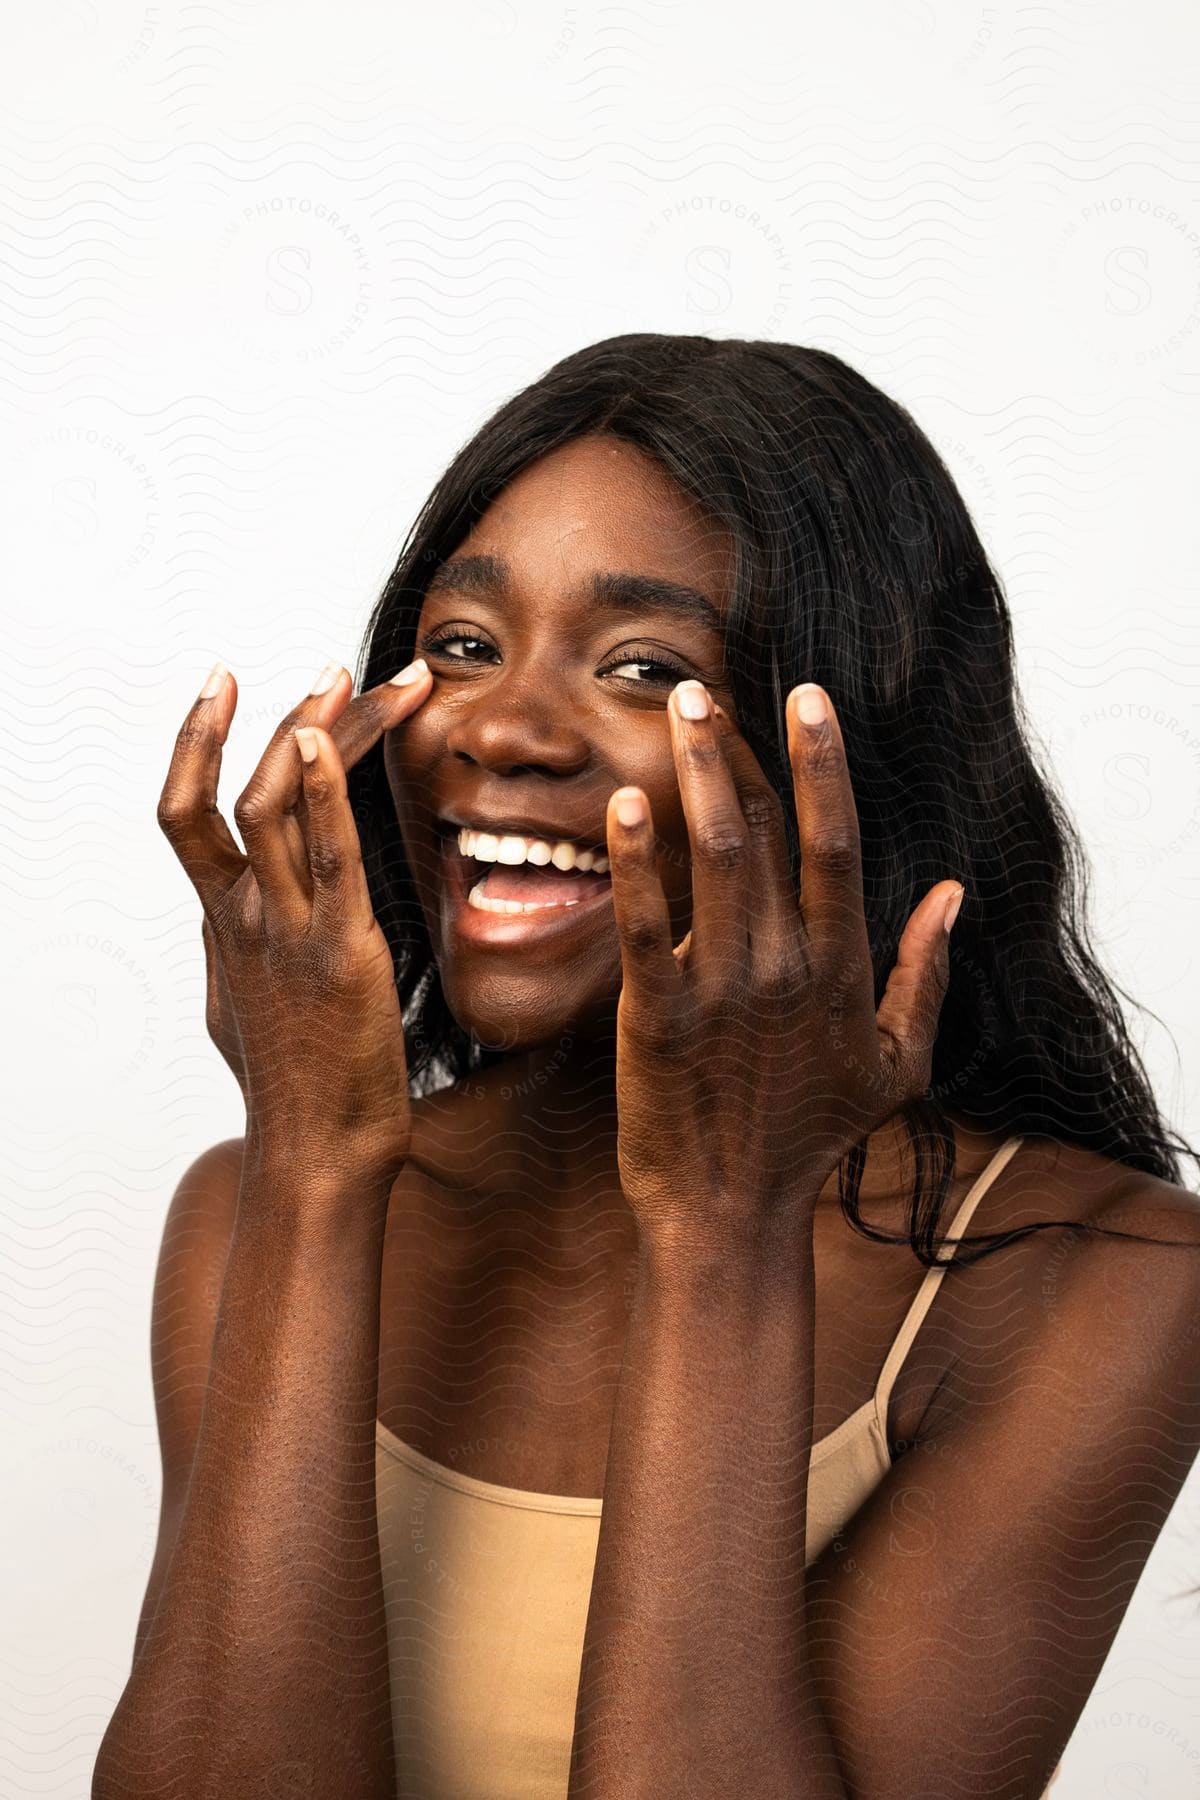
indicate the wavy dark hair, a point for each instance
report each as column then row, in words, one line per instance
column 856, row 566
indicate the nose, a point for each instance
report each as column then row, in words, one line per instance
column 514, row 726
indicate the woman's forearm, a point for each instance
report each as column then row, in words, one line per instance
column 694, row 1677
column 267, row 1654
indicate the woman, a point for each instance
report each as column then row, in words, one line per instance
column 551, row 1392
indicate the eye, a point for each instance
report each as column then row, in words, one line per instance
column 643, row 657
column 662, row 670
column 436, row 641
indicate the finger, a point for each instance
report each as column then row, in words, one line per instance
column 187, row 807
column 355, row 730
column 831, row 890
column 339, row 881
column 371, row 714
column 650, row 973
column 770, row 886
column 271, row 812
column 907, row 1019
column 265, row 808
column 357, row 725
column 717, row 832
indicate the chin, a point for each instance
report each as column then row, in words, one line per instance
column 513, row 1016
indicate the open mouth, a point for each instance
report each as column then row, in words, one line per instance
column 518, row 890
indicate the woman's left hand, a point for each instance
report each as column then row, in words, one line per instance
column 751, row 1057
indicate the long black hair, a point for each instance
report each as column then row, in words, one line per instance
column 856, row 566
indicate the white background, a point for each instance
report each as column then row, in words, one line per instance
column 265, row 268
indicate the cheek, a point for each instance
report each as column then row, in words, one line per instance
column 653, row 770
column 394, row 770
column 407, row 757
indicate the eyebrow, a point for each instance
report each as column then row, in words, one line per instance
column 610, row 590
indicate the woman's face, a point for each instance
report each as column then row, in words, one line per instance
column 545, row 698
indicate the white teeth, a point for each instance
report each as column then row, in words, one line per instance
column 481, row 903
column 487, row 846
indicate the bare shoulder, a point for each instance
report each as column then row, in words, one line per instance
column 1114, row 1308
column 1130, row 1290
column 204, row 1204
column 191, row 1266
column 187, row 1295
column 1062, row 1425
column 1052, row 1182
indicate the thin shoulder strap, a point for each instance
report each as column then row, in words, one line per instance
column 933, row 1277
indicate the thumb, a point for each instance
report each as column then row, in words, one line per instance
column 908, row 1014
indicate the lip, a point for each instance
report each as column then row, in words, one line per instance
column 469, row 925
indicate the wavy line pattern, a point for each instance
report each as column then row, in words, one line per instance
column 265, row 269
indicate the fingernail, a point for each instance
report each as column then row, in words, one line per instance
column 326, row 678
column 952, row 906
column 306, row 738
column 215, row 681
column 691, row 697
column 811, row 706
column 631, row 808
column 414, row 672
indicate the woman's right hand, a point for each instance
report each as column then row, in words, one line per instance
column 301, row 984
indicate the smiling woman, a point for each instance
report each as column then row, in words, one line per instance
column 577, row 1388
column 598, row 558
column 771, row 517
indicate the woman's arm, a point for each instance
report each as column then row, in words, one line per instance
column 960, row 1622
column 268, row 1648
column 751, row 1058
column 695, row 1674
column 947, row 1640
column 266, row 1664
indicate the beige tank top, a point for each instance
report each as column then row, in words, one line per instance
column 487, row 1592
